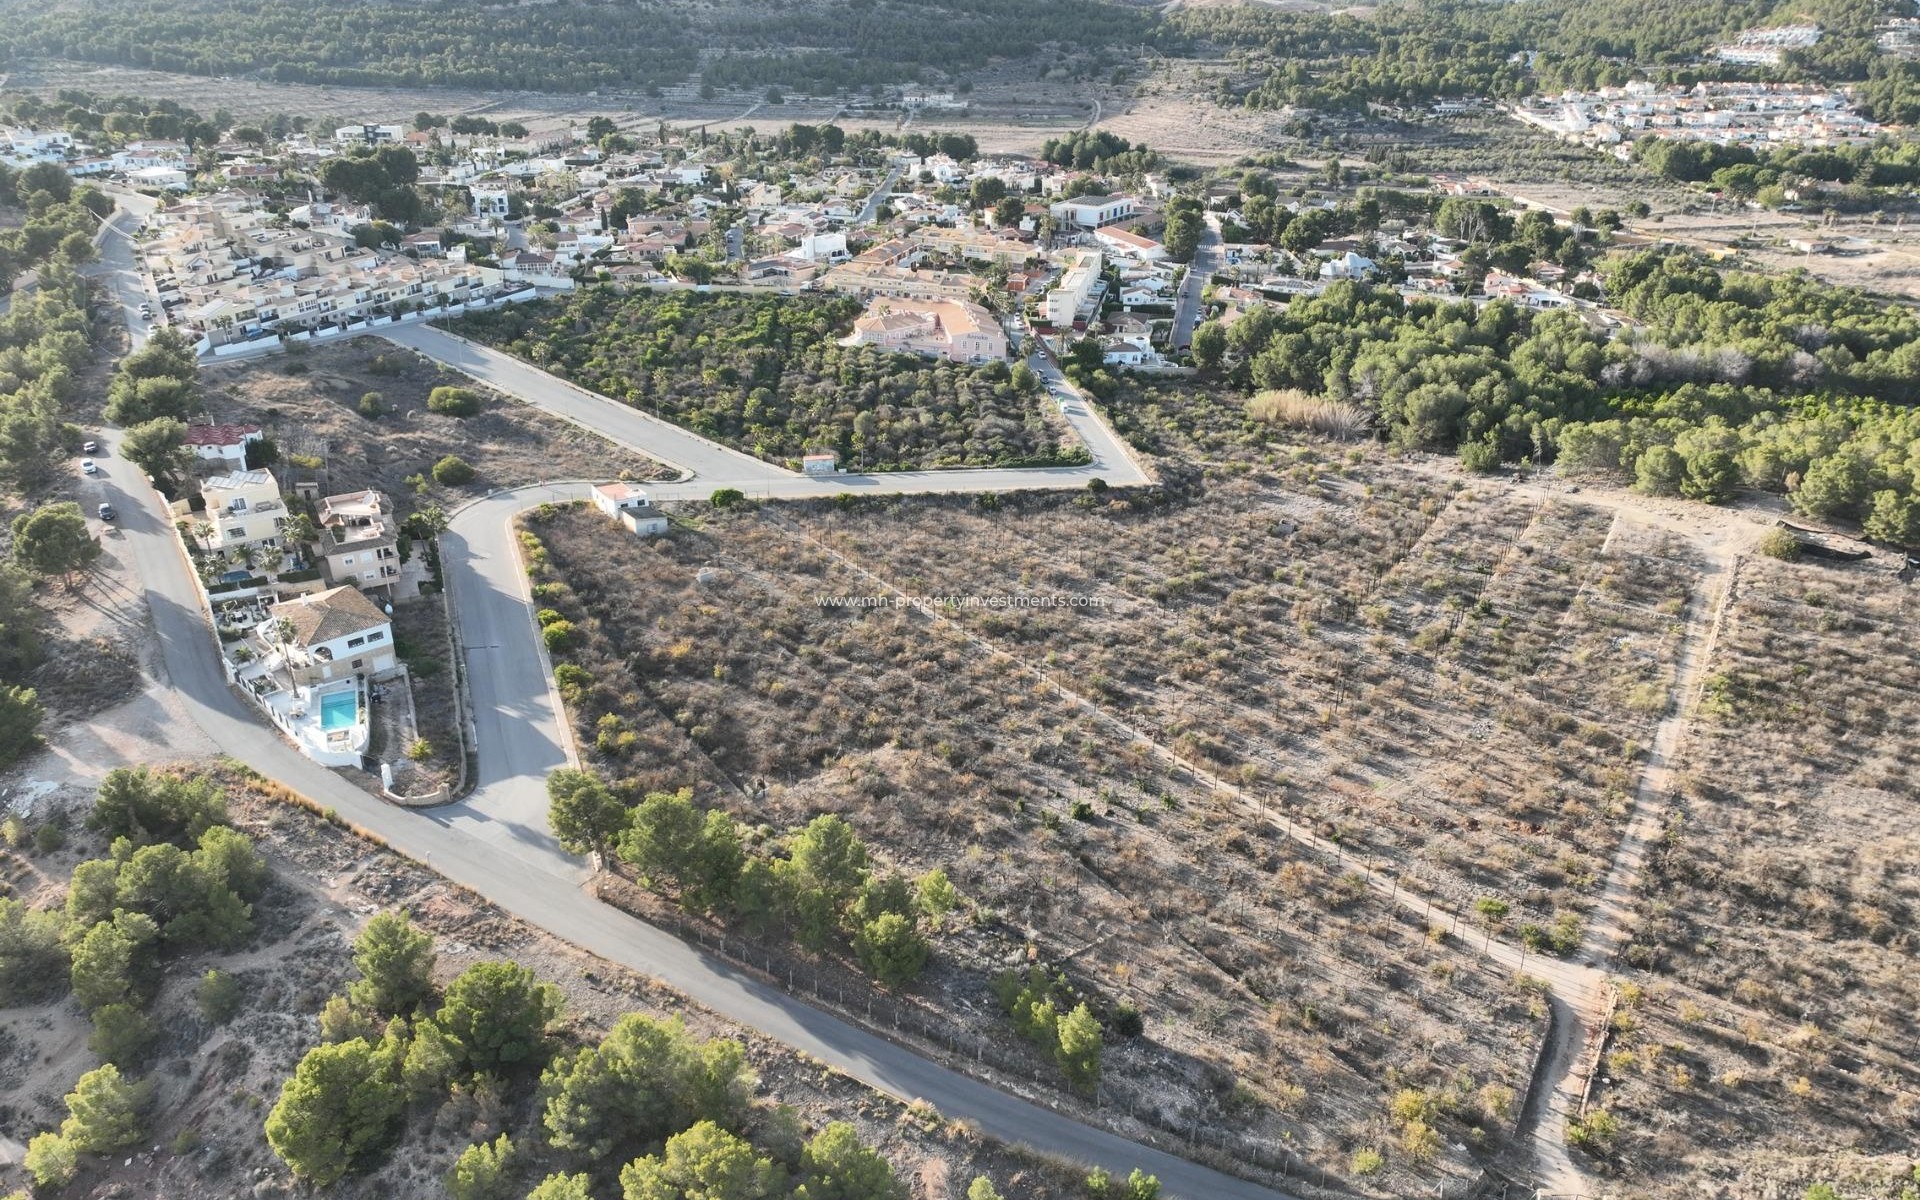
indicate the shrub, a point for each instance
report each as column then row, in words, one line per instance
column 51, row 1161
column 482, row 1171
column 557, row 636
column 1366, row 1161
column 453, row 401
column 1595, row 1133
column 121, row 1033
column 373, row 405
column 726, row 497
column 1778, row 543
column 49, row 837
column 420, row 750
column 453, row 471
column 395, row 961
column 218, row 996
column 1482, row 457
column 891, row 949
column 338, row 1106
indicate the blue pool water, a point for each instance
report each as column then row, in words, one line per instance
column 339, row 710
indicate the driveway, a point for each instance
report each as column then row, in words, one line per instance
column 496, row 843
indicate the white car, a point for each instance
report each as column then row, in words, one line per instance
column 87, row 467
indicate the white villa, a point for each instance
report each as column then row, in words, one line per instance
column 314, row 659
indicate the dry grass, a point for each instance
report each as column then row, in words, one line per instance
column 1314, row 414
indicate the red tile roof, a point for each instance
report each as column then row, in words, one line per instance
column 219, row 435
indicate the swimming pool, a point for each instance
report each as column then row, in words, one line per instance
column 339, row 710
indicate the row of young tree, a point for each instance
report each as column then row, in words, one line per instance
column 767, row 374
column 177, row 879
column 816, row 885
column 45, row 343
column 1774, row 382
column 650, row 1108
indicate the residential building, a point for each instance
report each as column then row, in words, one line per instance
column 1091, row 212
column 863, row 279
column 491, row 202
column 368, row 135
column 331, row 635
column 244, row 508
column 1128, row 244
column 823, row 247
column 953, row 329
column 1063, row 304
column 1349, row 265
column 167, row 178
column 359, row 543
column 222, row 444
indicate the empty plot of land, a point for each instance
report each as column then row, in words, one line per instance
column 311, row 406
column 1283, row 1001
column 1779, row 908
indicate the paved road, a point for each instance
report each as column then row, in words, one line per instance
column 1206, row 260
column 491, row 845
column 871, row 209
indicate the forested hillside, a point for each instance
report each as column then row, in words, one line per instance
column 818, row 45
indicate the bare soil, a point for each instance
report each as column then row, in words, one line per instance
column 420, row 637
column 308, row 404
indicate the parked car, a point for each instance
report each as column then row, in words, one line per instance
column 87, row 467
column 107, row 513
column 89, row 447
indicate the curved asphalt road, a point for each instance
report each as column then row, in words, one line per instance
column 498, row 846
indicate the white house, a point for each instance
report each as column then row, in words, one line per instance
column 823, row 247
column 1064, row 302
column 1349, row 266
column 630, row 506
column 225, row 444
column 1091, row 212
column 1127, row 351
column 358, row 542
column 170, row 178
column 331, row 635
column 490, row 202
column 1128, row 244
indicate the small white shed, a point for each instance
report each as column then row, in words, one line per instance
column 629, row 506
